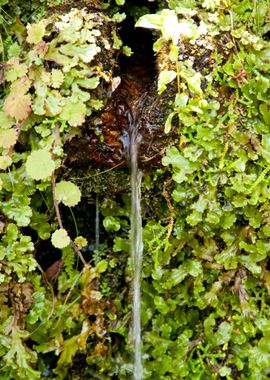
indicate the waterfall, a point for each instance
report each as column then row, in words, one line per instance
column 136, row 248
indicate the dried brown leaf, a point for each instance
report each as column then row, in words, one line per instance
column 18, row 106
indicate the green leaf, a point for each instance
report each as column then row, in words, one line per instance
column 8, row 137
column 117, row 42
column 20, row 86
column 266, row 147
column 35, row 33
column 73, row 113
column 228, row 68
column 260, row 355
column 81, row 242
column 194, row 83
column 201, row 205
column 57, row 78
column 16, row 70
column 228, row 257
column 18, row 209
column 168, row 123
column 85, row 53
column 192, row 78
column 69, row 348
column 119, row 17
column 78, row 94
column 264, row 109
column 181, row 100
column 88, row 83
column 225, row 371
column 211, row 4
column 53, row 104
column 39, row 223
column 101, row 266
column 39, row 164
column 228, row 220
column 223, row 333
column 194, row 267
column 181, row 166
column 60, row 238
column 12, row 233
column 96, row 104
column 263, row 324
column 165, row 77
column 149, row 21
column 20, row 356
column 161, row 305
column 68, row 193
column 127, row 51
column 176, row 276
column 120, row 245
column 194, row 218
column 111, row 223
column 6, row 121
column 250, row 263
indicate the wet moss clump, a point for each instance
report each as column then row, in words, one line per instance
column 101, row 180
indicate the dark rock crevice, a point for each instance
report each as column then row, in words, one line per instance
column 104, row 139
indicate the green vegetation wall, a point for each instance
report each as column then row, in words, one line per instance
column 65, row 304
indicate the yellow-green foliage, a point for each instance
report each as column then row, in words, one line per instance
column 205, row 280
column 206, row 296
column 58, row 70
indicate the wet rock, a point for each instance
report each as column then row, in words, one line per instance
column 105, row 139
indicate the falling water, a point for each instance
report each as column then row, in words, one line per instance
column 97, row 224
column 136, row 246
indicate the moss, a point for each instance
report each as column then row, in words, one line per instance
column 205, row 191
column 101, row 181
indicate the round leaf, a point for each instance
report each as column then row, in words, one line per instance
column 8, row 137
column 5, row 162
column 18, row 106
column 74, row 113
column 60, row 238
column 6, row 121
column 39, row 164
column 111, row 223
column 17, row 70
column 68, row 193
column 57, row 78
column 35, row 33
column 81, row 242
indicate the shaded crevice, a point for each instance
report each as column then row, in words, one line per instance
column 105, row 137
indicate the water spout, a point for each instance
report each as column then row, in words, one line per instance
column 97, row 224
column 136, row 253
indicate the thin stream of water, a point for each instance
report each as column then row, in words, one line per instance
column 97, row 224
column 136, row 249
